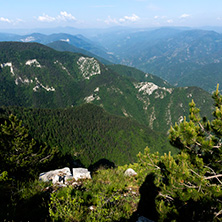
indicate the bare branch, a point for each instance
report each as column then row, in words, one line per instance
column 211, row 177
column 220, row 212
column 214, row 174
column 45, row 158
column 166, row 196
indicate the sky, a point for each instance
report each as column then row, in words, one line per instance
column 24, row 14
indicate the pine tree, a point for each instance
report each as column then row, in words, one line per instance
column 21, row 160
column 189, row 184
column 20, row 155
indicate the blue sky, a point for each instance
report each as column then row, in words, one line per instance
column 108, row 13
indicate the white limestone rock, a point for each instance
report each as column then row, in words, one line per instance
column 9, row 64
column 55, row 175
column 33, row 62
column 88, row 67
column 81, row 173
column 67, row 178
column 130, row 172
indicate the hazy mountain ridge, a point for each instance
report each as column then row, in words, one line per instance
column 65, row 46
column 78, row 41
column 171, row 53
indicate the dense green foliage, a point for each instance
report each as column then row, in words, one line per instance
column 20, row 155
column 89, row 133
column 109, row 196
column 21, row 160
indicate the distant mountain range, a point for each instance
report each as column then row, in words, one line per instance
column 78, row 41
column 182, row 57
column 34, row 75
column 65, row 46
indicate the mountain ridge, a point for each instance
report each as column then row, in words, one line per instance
column 34, row 75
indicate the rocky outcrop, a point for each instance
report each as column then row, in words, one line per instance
column 81, row 173
column 130, row 172
column 55, row 175
column 64, row 175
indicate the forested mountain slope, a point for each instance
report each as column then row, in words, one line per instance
column 89, row 133
column 33, row 75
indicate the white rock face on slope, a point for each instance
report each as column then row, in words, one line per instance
column 63, row 67
column 88, row 67
column 24, row 81
column 28, row 39
column 33, row 62
column 39, row 84
column 9, row 64
column 93, row 96
column 65, row 40
column 147, row 88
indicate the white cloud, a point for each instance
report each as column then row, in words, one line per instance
column 2, row 19
column 170, row 21
column 132, row 18
column 63, row 16
column 109, row 20
column 184, row 16
column 46, row 18
column 126, row 18
column 160, row 17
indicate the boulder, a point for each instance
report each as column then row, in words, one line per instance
column 55, row 175
column 130, row 172
column 81, row 173
column 68, row 178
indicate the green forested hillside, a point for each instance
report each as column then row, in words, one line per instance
column 89, row 133
column 207, row 77
column 139, row 75
column 33, row 75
